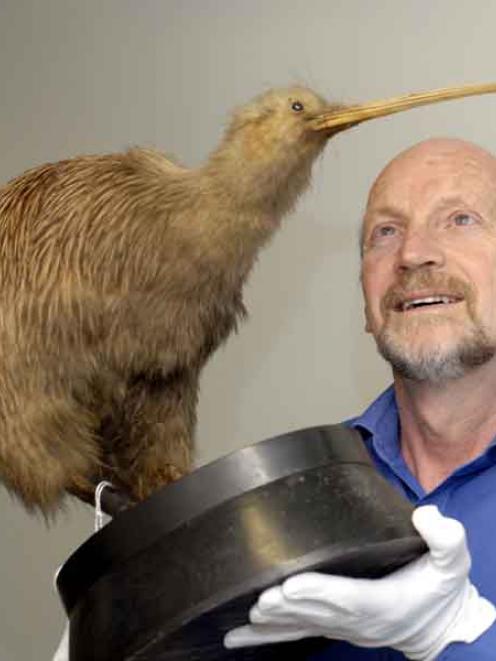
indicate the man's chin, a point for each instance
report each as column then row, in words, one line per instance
column 423, row 342
column 413, row 321
column 435, row 358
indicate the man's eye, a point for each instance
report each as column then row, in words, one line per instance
column 383, row 231
column 463, row 219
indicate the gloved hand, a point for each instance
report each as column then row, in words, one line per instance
column 418, row 609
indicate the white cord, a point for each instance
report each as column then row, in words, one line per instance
column 99, row 514
column 62, row 652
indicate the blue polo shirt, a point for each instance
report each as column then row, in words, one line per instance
column 468, row 494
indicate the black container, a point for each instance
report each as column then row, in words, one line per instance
column 168, row 578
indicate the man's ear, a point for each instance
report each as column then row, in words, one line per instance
column 368, row 328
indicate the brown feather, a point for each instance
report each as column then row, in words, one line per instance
column 119, row 276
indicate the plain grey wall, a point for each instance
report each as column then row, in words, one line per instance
column 85, row 76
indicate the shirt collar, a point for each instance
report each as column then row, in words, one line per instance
column 379, row 425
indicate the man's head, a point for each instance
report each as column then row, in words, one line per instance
column 429, row 260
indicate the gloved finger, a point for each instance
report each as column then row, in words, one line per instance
column 262, row 635
column 304, row 614
column 270, row 598
column 257, row 616
column 444, row 536
column 341, row 594
column 272, row 607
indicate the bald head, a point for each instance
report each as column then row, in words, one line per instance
column 426, row 164
column 434, row 153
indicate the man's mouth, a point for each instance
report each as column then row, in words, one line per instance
column 431, row 301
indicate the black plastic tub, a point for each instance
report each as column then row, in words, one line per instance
column 168, row 578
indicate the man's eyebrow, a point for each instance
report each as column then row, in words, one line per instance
column 386, row 211
column 451, row 201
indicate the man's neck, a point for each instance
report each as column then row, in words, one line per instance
column 445, row 425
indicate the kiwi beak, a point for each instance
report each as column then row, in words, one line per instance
column 343, row 117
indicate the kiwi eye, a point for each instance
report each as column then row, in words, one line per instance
column 297, row 106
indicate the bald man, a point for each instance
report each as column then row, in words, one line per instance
column 429, row 283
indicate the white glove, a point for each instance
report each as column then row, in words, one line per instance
column 418, row 610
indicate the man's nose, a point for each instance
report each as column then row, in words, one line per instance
column 419, row 249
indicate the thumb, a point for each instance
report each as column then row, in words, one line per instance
column 444, row 536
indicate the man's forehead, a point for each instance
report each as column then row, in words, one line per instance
column 434, row 163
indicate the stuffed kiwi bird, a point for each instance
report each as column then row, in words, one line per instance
column 119, row 276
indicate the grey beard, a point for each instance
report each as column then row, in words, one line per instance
column 436, row 364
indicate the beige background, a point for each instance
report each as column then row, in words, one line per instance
column 83, row 76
